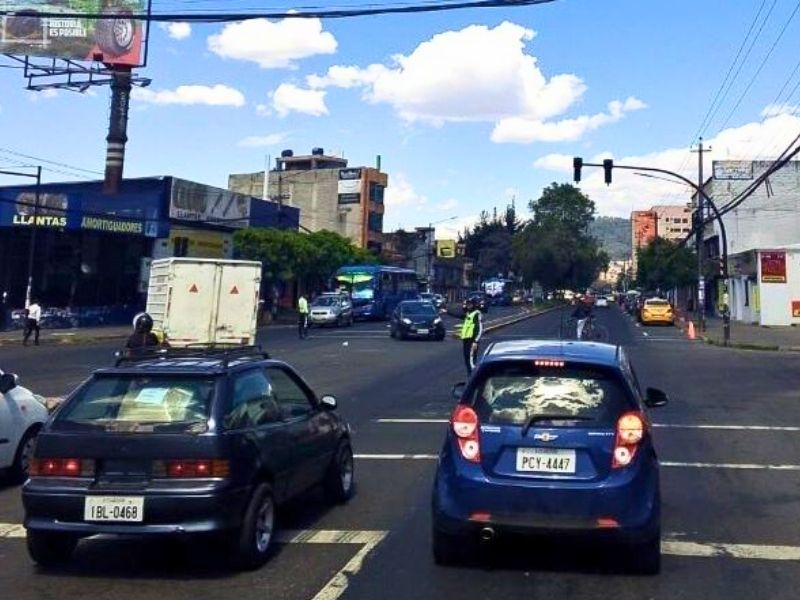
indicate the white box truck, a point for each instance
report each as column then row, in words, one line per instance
column 204, row 301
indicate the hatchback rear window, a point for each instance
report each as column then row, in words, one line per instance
column 657, row 303
column 140, row 404
column 513, row 393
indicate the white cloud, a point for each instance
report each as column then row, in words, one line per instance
column 401, row 193
column 273, row 44
column 177, row 31
column 448, row 204
column 476, row 74
column 256, row 141
column 759, row 140
column 217, row 95
column 450, row 230
column 290, row 98
column 525, row 131
column 773, row 110
column 263, row 110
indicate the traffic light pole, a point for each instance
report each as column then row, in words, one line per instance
column 702, row 198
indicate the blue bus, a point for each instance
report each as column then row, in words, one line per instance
column 376, row 289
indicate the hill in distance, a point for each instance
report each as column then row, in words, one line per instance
column 614, row 236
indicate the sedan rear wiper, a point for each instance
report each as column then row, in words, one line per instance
column 537, row 417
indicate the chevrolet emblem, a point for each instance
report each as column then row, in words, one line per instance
column 545, row 437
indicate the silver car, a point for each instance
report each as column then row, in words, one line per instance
column 331, row 309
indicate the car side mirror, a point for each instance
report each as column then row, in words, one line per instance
column 458, row 390
column 328, row 403
column 655, row 398
column 8, row 381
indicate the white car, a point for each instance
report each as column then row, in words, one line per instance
column 22, row 415
column 601, row 302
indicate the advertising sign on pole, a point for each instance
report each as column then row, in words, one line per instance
column 773, row 267
column 115, row 39
column 197, row 202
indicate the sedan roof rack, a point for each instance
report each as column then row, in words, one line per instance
column 223, row 353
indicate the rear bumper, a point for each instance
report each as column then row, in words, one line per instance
column 323, row 320
column 465, row 501
column 164, row 514
column 646, row 320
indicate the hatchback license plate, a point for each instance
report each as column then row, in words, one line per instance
column 545, row 460
column 114, row 508
column 422, row 331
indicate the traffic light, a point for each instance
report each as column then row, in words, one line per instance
column 577, row 164
column 608, row 164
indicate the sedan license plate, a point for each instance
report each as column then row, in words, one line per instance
column 545, row 460
column 422, row 331
column 114, row 508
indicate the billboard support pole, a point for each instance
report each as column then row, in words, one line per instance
column 118, row 128
column 32, row 247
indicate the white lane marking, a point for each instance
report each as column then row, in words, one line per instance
column 645, row 334
column 737, row 466
column 336, row 586
column 412, row 421
column 397, row 456
column 712, row 550
column 727, row 427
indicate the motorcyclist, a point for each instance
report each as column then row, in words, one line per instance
column 582, row 313
column 471, row 331
column 142, row 336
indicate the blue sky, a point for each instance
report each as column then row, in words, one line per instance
column 466, row 108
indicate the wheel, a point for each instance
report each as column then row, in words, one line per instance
column 50, row 549
column 339, row 480
column 253, row 542
column 22, row 458
column 448, row 549
column 115, row 35
column 645, row 558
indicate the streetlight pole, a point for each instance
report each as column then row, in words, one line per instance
column 34, row 227
column 701, row 279
column 702, row 197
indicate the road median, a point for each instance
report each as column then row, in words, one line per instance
column 490, row 326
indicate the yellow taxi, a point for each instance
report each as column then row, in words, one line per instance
column 657, row 310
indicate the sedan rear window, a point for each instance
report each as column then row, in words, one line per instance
column 140, row 404
column 513, row 393
column 657, row 303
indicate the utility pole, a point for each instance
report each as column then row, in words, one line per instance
column 117, row 129
column 701, row 282
column 32, row 246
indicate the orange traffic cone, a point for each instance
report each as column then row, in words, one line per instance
column 691, row 330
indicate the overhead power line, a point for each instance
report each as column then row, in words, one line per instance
column 313, row 13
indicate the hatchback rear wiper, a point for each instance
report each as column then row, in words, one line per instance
column 537, row 417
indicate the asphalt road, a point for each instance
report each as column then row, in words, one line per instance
column 729, row 444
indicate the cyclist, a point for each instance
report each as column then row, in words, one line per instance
column 582, row 313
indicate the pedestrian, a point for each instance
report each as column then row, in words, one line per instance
column 581, row 314
column 32, row 319
column 471, row 331
column 302, row 312
column 142, row 336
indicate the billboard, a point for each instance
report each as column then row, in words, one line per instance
column 191, row 201
column 349, row 188
column 773, row 267
column 115, row 40
column 736, row 170
column 446, row 248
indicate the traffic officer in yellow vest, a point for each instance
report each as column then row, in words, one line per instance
column 302, row 323
column 471, row 331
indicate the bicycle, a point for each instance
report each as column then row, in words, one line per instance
column 593, row 331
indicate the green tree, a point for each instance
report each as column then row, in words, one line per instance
column 663, row 265
column 554, row 248
column 489, row 242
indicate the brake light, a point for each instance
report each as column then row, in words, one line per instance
column 191, row 468
column 548, row 363
column 465, row 425
column 630, row 431
column 61, row 467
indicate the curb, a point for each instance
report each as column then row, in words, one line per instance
column 750, row 346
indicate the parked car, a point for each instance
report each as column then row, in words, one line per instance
column 22, row 415
column 439, row 301
column 601, row 302
column 183, row 442
column 331, row 309
column 416, row 319
column 550, row 438
column 480, row 301
column 657, row 310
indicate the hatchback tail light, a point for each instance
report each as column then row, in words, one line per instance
column 191, row 469
column 61, row 467
column 465, row 425
column 630, row 432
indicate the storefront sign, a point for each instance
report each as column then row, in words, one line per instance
column 39, row 220
column 446, row 248
column 197, row 243
column 773, row 267
column 796, row 309
column 197, row 202
column 112, row 225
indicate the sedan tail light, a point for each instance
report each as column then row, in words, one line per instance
column 191, row 469
column 630, row 432
column 465, row 425
column 61, row 467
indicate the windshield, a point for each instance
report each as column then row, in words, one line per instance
column 417, row 309
column 657, row 303
column 514, row 392
column 130, row 403
column 326, row 301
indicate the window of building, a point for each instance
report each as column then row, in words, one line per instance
column 376, row 192
column 375, row 222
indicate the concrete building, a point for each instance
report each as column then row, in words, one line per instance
column 673, row 222
column 330, row 194
column 644, row 225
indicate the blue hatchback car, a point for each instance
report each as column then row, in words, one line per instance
column 550, row 438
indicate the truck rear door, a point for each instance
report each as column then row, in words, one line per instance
column 235, row 321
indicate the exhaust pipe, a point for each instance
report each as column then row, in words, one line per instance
column 487, row 535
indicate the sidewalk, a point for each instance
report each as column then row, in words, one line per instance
column 751, row 337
